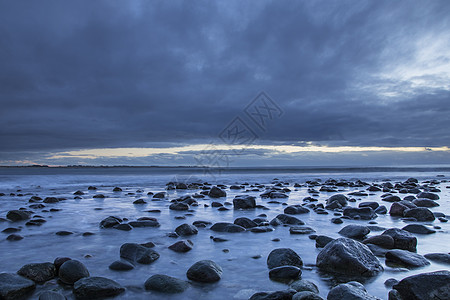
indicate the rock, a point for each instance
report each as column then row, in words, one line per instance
column 216, row 192
column 159, row 195
column 397, row 209
column 402, row 239
column 13, row 286
column 244, row 202
column 428, row 195
column 180, row 206
column 51, row 295
column 304, row 286
column 96, row 288
column 165, row 284
column 391, row 198
column 245, row 222
column 337, row 221
column 296, row 210
column 322, row 241
column 406, row 258
column 285, row 273
column 278, row 295
column 71, row 271
column 14, row 237
column 390, row 282
column 182, row 246
column 227, row 227
column 352, row 291
column 59, row 261
column 144, row 223
column 373, row 205
column 186, row 230
column 38, row 272
column 110, row 222
column 285, row 219
column 421, row 214
column 123, row 227
column 354, row 231
column 121, row 265
column 306, row 295
column 63, row 233
column 347, row 256
column 384, row 241
column 418, row 228
column 425, row 203
column 51, row 200
column 283, row 257
column 136, row 253
column 139, row 201
column 439, row 257
column 117, row 189
column 433, row 285
column 18, row 215
column 381, row 210
column 339, row 198
column 205, row 271
column 261, row 229
column 301, row 230
column 364, row 213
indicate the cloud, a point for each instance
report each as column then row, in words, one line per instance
column 90, row 75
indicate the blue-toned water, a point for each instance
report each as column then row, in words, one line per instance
column 243, row 275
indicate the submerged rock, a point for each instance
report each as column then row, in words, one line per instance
column 216, row 192
column 182, row 246
column 227, row 227
column 186, row 230
column 421, row 214
column 278, row 295
column 136, row 253
column 406, row 258
column 71, row 271
column 38, row 272
column 18, row 215
column 285, row 273
column 354, row 231
column 244, row 202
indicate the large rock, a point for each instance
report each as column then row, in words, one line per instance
column 144, row 223
column 418, row 228
column 165, row 284
column 402, row 239
column 295, row 210
column 227, row 227
column 96, row 288
column 391, row 198
column 283, row 257
column 443, row 258
column 406, row 258
column 354, row 231
column 384, row 241
column 304, row 285
column 71, row 271
column 186, row 230
column 136, row 253
column 350, row 291
column 38, row 272
column 421, row 214
column 179, row 206
column 397, row 209
column 347, row 256
column 18, row 215
column 364, row 213
column 216, row 192
column 244, row 202
column 205, row 271
column 13, row 286
column 425, row 286
column 423, row 202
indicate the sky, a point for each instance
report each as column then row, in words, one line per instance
column 225, row 83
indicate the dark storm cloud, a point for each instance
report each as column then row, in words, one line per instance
column 94, row 74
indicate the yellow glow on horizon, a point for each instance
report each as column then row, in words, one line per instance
column 144, row 152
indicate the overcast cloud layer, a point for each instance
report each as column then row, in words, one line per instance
column 99, row 74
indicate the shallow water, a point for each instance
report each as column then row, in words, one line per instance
column 242, row 274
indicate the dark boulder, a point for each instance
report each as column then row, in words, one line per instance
column 296, row 210
column 181, row 246
column 165, row 284
column 406, row 258
column 227, row 227
column 96, row 288
column 283, row 257
column 354, row 231
column 425, row 286
column 439, row 257
column 121, row 265
column 71, row 271
column 350, row 291
column 347, row 256
column 245, row 222
column 186, row 230
column 402, row 239
column 418, row 228
column 136, row 253
column 285, row 273
column 13, row 286
column 216, row 192
column 384, row 241
column 38, row 272
column 18, row 215
column 421, row 214
column 206, row 271
column 179, row 206
column 286, row 219
column 110, row 222
column 428, row 195
column 364, row 213
column 244, row 202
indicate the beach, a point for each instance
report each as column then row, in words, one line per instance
column 66, row 214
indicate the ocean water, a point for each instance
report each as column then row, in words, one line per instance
column 242, row 274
